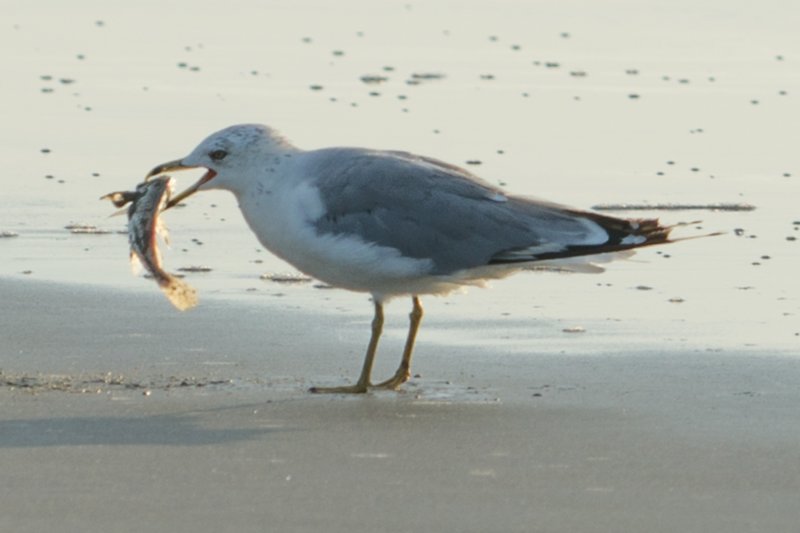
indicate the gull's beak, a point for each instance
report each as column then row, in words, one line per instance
column 178, row 165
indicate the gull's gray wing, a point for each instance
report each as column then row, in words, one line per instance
column 428, row 209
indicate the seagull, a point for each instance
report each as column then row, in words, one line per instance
column 393, row 223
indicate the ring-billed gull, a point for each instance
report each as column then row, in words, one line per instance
column 392, row 223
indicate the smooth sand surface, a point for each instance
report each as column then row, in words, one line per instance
column 119, row 414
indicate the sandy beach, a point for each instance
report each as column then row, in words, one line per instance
column 658, row 396
column 148, row 419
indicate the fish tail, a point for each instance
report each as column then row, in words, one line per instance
column 180, row 294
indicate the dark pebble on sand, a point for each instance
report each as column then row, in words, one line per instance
column 286, row 278
column 85, row 229
column 371, row 78
column 195, row 268
column 427, row 76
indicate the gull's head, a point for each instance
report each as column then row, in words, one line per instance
column 229, row 157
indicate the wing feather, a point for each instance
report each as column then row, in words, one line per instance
column 428, row 209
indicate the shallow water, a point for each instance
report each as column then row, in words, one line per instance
column 580, row 103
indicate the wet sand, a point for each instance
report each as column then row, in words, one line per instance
column 659, row 396
column 120, row 414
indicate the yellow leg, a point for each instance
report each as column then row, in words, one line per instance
column 366, row 371
column 404, row 370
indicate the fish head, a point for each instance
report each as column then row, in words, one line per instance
column 229, row 157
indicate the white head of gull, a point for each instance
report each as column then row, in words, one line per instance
column 392, row 223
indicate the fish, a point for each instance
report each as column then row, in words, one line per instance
column 144, row 227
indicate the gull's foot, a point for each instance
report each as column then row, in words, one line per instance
column 358, row 388
column 395, row 381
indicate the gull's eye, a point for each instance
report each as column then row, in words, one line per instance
column 218, row 155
